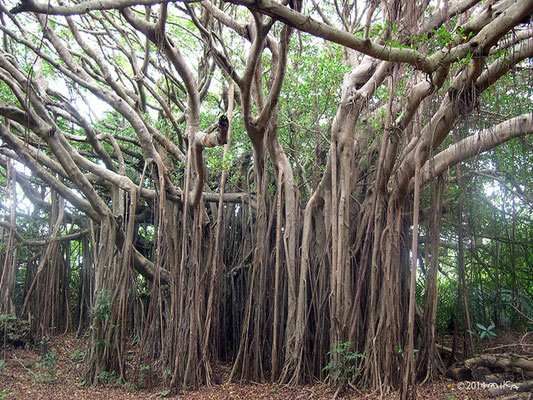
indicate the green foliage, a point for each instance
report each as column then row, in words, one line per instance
column 49, row 360
column 109, row 378
column 442, row 36
column 102, row 309
column 2, row 365
column 48, row 365
column 446, row 305
column 486, row 332
column 5, row 318
column 399, row 349
column 101, row 343
column 4, row 321
column 78, row 355
column 401, row 353
column 344, row 362
column 514, row 306
column 146, row 374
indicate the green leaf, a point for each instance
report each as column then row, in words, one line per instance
column 481, row 327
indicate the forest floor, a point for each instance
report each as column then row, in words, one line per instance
column 56, row 373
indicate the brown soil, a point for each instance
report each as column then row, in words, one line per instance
column 26, row 375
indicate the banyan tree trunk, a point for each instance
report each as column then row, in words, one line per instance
column 428, row 360
column 9, row 258
column 248, row 363
column 48, row 298
column 102, row 356
column 111, row 307
column 86, row 288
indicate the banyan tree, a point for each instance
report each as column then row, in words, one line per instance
column 247, row 182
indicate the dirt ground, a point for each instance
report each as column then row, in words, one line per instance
column 29, row 374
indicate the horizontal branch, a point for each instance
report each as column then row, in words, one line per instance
column 478, row 143
column 243, row 198
column 42, row 242
column 81, row 8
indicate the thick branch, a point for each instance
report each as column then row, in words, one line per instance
column 201, row 140
column 82, row 8
column 316, row 28
column 478, row 143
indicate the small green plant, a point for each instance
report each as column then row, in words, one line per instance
column 146, row 374
column 102, row 309
column 5, row 318
column 49, row 360
column 343, row 364
column 165, row 393
column 78, row 355
column 486, row 332
column 48, row 363
column 2, row 365
column 4, row 394
column 100, row 343
column 107, row 377
column 399, row 349
column 169, row 373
